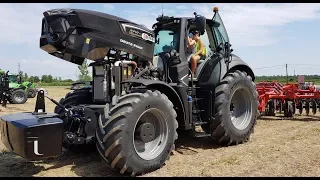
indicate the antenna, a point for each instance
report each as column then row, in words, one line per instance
column 18, row 68
column 162, row 9
column 287, row 72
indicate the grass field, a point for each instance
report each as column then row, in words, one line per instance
column 278, row 147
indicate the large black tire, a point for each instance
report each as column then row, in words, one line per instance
column 115, row 134
column 234, row 85
column 18, row 96
column 32, row 93
column 81, row 96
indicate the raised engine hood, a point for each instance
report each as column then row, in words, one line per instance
column 76, row 34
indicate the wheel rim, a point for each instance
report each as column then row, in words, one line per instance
column 19, row 97
column 151, row 118
column 241, row 108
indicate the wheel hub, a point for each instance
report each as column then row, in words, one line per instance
column 146, row 132
column 240, row 109
column 150, row 134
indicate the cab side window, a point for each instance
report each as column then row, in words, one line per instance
column 208, row 41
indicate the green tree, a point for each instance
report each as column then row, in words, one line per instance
column 36, row 79
column 31, row 79
column 25, row 77
column 49, row 79
column 44, row 78
column 84, row 72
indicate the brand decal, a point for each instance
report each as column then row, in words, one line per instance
column 36, row 148
column 138, row 32
column 147, row 37
column 131, row 44
column 134, row 33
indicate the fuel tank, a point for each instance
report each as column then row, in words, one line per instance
column 75, row 34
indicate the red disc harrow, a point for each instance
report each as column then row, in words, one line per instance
column 287, row 98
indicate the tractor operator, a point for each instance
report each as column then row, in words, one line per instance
column 200, row 53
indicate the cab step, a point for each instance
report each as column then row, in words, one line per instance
column 199, row 123
column 201, row 134
column 197, row 111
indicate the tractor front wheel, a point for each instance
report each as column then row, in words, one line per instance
column 32, row 93
column 137, row 134
column 18, row 96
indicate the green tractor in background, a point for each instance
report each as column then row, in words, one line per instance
column 29, row 87
column 17, row 92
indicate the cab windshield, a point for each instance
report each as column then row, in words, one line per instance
column 167, row 39
column 13, row 78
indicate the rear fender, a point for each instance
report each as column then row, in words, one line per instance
column 239, row 64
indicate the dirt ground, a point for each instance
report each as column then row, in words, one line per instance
column 278, row 147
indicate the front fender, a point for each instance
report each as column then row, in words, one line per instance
column 169, row 91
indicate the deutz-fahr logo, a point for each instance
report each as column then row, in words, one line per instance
column 147, row 37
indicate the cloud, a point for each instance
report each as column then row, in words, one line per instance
column 21, row 23
column 108, row 6
column 257, row 24
column 182, row 7
column 247, row 24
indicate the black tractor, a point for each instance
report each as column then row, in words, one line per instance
column 4, row 88
column 141, row 93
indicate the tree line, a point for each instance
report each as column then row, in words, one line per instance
column 290, row 79
column 49, row 79
column 85, row 76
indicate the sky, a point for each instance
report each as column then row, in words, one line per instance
column 266, row 36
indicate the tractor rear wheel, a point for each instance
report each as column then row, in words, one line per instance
column 18, row 96
column 81, row 96
column 137, row 134
column 32, row 93
column 236, row 107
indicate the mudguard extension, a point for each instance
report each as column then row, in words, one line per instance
column 32, row 137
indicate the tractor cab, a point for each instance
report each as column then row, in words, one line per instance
column 172, row 34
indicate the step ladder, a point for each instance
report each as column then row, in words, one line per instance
column 196, row 119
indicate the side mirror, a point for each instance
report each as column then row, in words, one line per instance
column 200, row 22
column 174, row 57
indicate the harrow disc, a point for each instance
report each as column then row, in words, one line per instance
column 270, row 110
column 300, row 107
column 289, row 108
column 314, row 107
column 307, row 107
